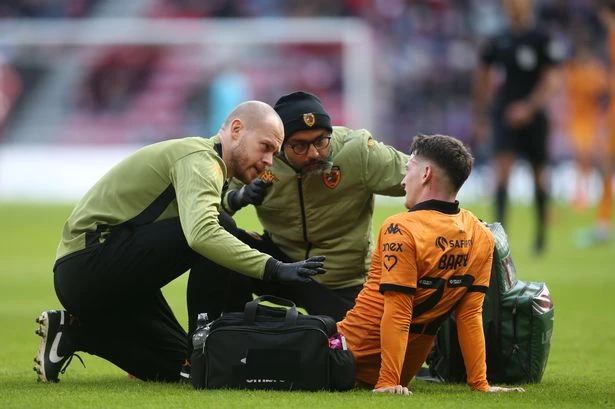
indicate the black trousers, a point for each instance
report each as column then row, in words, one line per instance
column 222, row 290
column 530, row 141
column 114, row 289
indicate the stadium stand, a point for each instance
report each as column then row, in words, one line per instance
column 425, row 56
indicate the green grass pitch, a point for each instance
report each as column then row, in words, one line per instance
column 580, row 372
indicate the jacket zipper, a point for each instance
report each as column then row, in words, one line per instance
column 303, row 219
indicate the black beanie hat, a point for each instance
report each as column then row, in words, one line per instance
column 300, row 110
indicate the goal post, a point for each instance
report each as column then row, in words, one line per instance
column 35, row 147
column 353, row 34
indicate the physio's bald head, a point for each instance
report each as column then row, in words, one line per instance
column 255, row 114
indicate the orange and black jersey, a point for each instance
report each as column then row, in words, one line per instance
column 438, row 257
column 437, row 252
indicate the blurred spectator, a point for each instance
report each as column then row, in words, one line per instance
column 195, row 112
column 422, row 66
column 45, row 8
column 202, row 9
column 586, row 86
column 601, row 231
column 425, row 50
column 313, row 8
column 118, row 77
column 10, row 90
column 227, row 90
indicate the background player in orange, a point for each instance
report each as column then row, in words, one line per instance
column 429, row 261
column 601, row 232
column 586, row 85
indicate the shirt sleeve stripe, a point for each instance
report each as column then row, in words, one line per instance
column 398, row 288
column 478, row 289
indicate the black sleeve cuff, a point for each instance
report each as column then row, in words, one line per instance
column 271, row 269
column 397, row 288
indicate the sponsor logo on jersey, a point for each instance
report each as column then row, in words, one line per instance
column 393, row 229
column 389, row 262
column 465, row 280
column 460, row 244
column 452, row 261
column 425, row 283
column 443, row 243
column 332, row 178
column 395, row 247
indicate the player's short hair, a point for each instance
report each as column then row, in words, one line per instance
column 448, row 153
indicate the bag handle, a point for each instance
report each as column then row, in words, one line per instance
column 251, row 307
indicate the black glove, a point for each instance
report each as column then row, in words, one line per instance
column 299, row 272
column 254, row 194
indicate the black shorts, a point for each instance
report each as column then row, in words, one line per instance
column 531, row 141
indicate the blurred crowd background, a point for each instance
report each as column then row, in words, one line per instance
column 425, row 53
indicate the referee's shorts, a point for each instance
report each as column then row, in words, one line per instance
column 530, row 141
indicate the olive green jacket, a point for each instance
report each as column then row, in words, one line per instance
column 193, row 171
column 330, row 214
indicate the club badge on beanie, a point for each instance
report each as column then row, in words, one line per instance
column 301, row 110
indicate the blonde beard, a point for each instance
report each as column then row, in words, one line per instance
column 237, row 161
